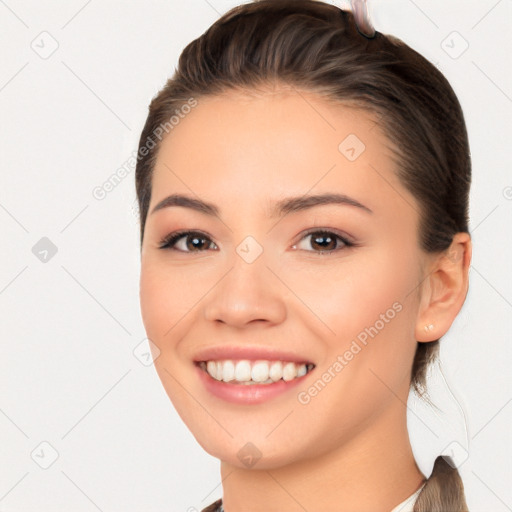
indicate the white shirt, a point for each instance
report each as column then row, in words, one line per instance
column 408, row 504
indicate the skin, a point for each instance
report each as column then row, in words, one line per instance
column 348, row 448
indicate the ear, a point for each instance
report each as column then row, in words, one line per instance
column 444, row 289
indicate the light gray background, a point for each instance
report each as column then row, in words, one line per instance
column 70, row 322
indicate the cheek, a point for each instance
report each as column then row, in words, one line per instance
column 161, row 305
column 367, row 362
column 368, row 305
column 167, row 295
column 152, row 300
column 165, row 302
column 350, row 294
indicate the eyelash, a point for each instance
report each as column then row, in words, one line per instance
column 170, row 240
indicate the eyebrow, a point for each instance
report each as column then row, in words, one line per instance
column 280, row 208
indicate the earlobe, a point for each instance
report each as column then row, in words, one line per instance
column 429, row 327
column 444, row 290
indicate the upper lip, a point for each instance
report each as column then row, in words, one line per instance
column 251, row 353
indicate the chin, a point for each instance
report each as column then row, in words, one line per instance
column 251, row 451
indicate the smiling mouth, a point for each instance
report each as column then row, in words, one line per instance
column 247, row 372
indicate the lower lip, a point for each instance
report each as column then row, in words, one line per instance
column 247, row 393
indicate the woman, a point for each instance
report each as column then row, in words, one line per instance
column 303, row 188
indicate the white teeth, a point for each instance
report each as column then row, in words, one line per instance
column 289, row 371
column 211, row 368
column 242, row 371
column 276, row 371
column 228, row 372
column 302, row 370
column 255, row 372
column 259, row 372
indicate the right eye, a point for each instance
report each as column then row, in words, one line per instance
column 186, row 241
column 323, row 238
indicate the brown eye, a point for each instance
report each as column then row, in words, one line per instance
column 324, row 242
column 195, row 242
column 187, row 241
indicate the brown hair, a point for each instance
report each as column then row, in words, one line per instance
column 335, row 53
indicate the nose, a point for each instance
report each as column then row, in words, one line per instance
column 248, row 293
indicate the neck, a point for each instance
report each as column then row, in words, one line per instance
column 373, row 472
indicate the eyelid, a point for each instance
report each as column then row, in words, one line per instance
column 319, row 229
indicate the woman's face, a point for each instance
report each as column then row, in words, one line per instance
column 255, row 281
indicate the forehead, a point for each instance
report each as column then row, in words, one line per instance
column 275, row 144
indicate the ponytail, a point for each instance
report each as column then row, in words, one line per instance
column 443, row 491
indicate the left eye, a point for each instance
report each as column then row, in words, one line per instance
column 327, row 241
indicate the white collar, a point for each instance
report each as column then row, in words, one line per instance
column 408, row 504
